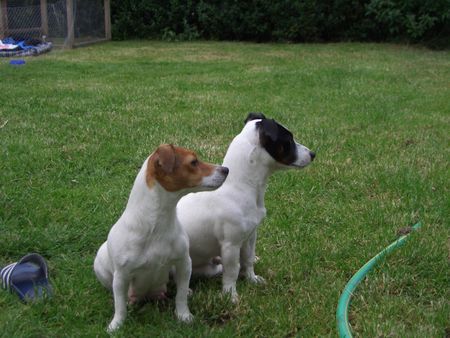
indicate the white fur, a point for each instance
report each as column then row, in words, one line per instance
column 224, row 222
column 145, row 243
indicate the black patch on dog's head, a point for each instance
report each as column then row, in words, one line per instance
column 254, row 116
column 277, row 141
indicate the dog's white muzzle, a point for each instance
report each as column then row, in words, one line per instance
column 304, row 156
column 216, row 179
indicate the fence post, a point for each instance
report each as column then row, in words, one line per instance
column 44, row 17
column 107, row 5
column 3, row 19
column 70, row 24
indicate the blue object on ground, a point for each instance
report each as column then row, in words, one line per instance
column 28, row 278
column 19, row 62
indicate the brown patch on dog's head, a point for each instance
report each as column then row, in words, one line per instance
column 176, row 168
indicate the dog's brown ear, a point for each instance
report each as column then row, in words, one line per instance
column 165, row 158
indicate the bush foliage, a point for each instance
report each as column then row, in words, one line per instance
column 284, row 20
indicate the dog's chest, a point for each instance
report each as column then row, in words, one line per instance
column 151, row 268
column 154, row 253
column 253, row 219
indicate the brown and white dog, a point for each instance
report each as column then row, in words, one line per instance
column 147, row 241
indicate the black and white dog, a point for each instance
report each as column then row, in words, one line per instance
column 224, row 222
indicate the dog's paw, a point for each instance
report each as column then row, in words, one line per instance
column 251, row 277
column 257, row 280
column 113, row 326
column 185, row 317
column 232, row 293
column 132, row 299
column 208, row 270
column 216, row 260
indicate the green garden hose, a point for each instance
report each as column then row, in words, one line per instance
column 344, row 300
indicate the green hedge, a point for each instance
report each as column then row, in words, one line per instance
column 284, row 20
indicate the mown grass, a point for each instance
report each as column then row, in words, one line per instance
column 76, row 126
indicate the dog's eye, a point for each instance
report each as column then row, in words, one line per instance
column 194, row 163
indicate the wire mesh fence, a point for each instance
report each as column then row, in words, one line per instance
column 66, row 23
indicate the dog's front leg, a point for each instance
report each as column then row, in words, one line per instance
column 248, row 260
column 121, row 282
column 230, row 262
column 182, row 277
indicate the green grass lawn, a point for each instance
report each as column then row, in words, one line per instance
column 75, row 127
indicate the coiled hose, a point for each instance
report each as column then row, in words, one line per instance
column 344, row 300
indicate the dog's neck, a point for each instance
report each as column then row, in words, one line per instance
column 244, row 170
column 152, row 205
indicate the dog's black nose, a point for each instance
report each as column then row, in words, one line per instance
column 224, row 170
column 312, row 154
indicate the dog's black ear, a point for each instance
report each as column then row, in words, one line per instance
column 268, row 130
column 166, row 158
column 254, row 116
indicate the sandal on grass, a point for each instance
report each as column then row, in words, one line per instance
column 28, row 278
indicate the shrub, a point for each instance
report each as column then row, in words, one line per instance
column 283, row 20
column 413, row 20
